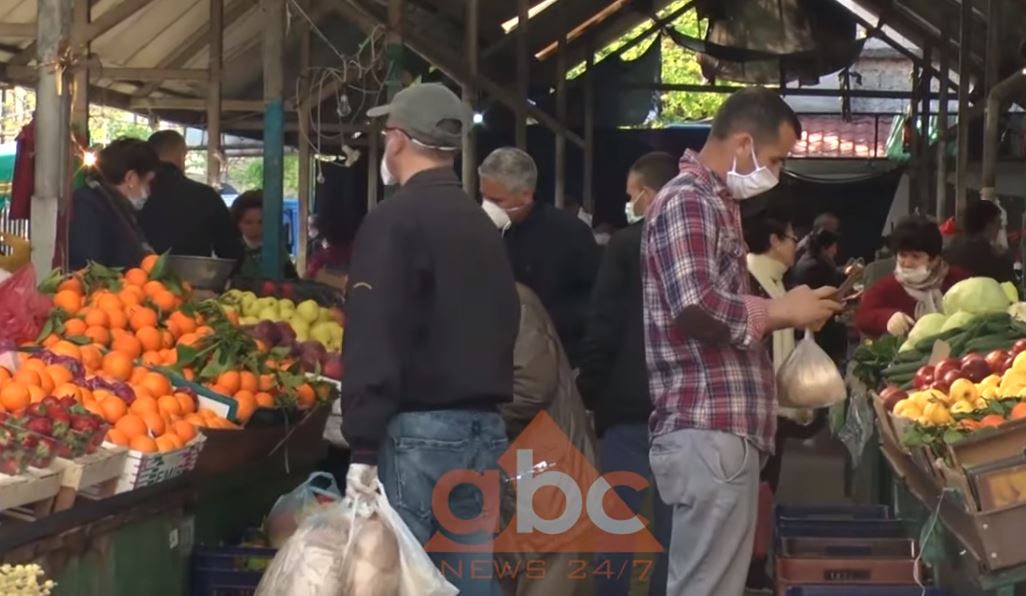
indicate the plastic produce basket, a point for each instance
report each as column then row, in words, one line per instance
column 864, row 591
column 228, row 570
column 837, row 521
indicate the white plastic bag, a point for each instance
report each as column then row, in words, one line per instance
column 291, row 509
column 354, row 548
column 808, row 378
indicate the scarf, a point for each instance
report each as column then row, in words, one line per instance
column 927, row 292
column 769, row 272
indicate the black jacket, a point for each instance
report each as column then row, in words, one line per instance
column 103, row 228
column 554, row 254
column 816, row 273
column 614, row 378
column 432, row 311
column 976, row 255
column 188, row 218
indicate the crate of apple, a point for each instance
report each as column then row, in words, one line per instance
column 974, row 367
column 77, row 430
column 21, row 448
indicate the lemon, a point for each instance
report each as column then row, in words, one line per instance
column 980, row 403
column 1019, row 364
column 907, row 408
column 962, row 407
column 937, row 414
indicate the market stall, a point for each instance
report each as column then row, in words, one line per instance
column 137, row 419
column 950, row 404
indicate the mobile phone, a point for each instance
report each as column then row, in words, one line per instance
column 849, row 283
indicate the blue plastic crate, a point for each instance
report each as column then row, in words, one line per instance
column 837, row 521
column 228, row 570
column 853, row 590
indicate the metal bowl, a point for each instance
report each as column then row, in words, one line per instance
column 204, row 273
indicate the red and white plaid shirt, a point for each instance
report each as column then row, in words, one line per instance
column 694, row 275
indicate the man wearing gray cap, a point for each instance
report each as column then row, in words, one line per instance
column 432, row 317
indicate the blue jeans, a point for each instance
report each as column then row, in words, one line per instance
column 419, row 449
column 624, row 447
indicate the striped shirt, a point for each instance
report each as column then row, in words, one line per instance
column 708, row 368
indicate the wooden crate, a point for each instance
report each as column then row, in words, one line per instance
column 30, row 495
column 93, row 476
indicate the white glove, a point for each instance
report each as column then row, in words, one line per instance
column 899, row 324
column 361, row 481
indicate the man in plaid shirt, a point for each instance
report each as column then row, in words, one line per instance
column 711, row 380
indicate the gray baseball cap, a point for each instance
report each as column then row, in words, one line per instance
column 429, row 112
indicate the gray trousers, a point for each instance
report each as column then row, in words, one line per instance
column 711, row 479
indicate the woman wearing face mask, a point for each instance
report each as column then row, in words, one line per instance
column 103, row 226
column 917, row 286
column 248, row 213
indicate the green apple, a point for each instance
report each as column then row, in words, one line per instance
column 286, row 304
column 323, row 332
column 299, row 324
column 269, row 314
column 248, row 302
column 247, row 321
column 302, row 335
column 325, row 315
column 309, row 311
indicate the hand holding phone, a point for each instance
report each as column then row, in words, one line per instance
column 849, row 284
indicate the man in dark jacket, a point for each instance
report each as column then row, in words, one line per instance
column 614, row 377
column 974, row 249
column 552, row 252
column 431, row 321
column 184, row 216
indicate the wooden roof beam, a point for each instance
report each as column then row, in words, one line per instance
column 98, row 27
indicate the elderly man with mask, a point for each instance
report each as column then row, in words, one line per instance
column 552, row 251
column 432, row 317
column 712, row 383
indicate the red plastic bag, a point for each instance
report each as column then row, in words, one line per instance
column 23, row 309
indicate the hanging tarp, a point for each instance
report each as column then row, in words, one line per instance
column 773, row 41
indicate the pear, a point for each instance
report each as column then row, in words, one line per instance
column 323, row 332
column 325, row 315
column 269, row 314
column 309, row 311
column 286, row 305
column 299, row 324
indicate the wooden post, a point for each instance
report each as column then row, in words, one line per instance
column 303, row 116
column 274, row 134
column 942, row 127
column 80, row 89
column 587, row 200
column 53, row 26
column 373, row 158
column 560, row 193
column 964, row 73
column 214, row 94
column 470, row 100
column 926, row 197
column 523, row 61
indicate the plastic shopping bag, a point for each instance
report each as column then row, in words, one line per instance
column 290, row 510
column 808, row 378
column 23, row 309
column 354, row 548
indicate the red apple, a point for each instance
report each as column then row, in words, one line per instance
column 944, row 366
column 975, row 368
column 1019, row 347
column 1008, row 364
column 893, row 398
column 951, row 376
column 996, row 361
column 924, row 377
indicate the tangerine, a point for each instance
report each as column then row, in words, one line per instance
column 246, row 405
column 117, row 437
column 138, row 374
column 118, row 319
column 189, row 374
column 130, row 298
column 36, row 394
column 59, row 374
column 189, row 339
column 97, row 318
column 306, row 395
column 231, row 381
column 143, row 444
column 94, row 408
column 50, row 340
column 169, row 405
column 98, row 335
column 164, row 300
column 74, row 327
column 167, row 339
column 264, row 400
column 150, row 338
column 1019, row 411
column 185, row 429
column 5, row 375
column 118, row 365
column 204, row 331
column 991, row 420
column 165, row 443
column 267, row 382
column 72, row 284
column 28, row 377
column 182, row 322
column 148, row 263
column 196, row 420
column 108, row 302
column 136, row 277
column 143, row 317
column 67, row 390
column 33, row 364
column 131, row 424
column 144, row 405
column 156, row 383
column 15, row 396
column 249, row 381
column 128, row 345
column 155, row 422
column 68, row 301
column 186, row 403
column 173, row 436
column 66, row 348
column 113, row 408
column 152, row 288
column 152, row 358
column 219, row 389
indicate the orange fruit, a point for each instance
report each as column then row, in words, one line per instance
column 67, row 390
column 156, row 383
column 152, row 288
column 118, row 365
column 264, row 400
column 109, row 302
column 28, row 377
column 74, row 327
column 68, row 301
column 98, row 335
column 36, row 394
column 207, row 413
column 169, row 405
column 136, row 277
column 129, row 298
column 150, row 338
column 183, row 322
column 267, row 382
column 59, row 374
column 149, row 262
column 33, row 364
column 155, row 422
column 138, row 374
column 5, row 375
column 189, row 339
column 195, row 420
column 102, row 394
column 167, row 339
column 92, row 358
column 170, row 356
column 72, row 284
column 1019, row 411
column 165, row 443
column 117, row 437
column 152, row 358
column 184, row 429
column 186, row 402
column 128, row 345
column 189, row 374
column 144, row 444
column 204, row 331
column 66, row 348
column 249, row 381
column 231, row 381
column 97, row 318
column 131, row 424
column 219, row 389
column 177, row 440
column 51, row 340
column 116, row 333
column 144, row 405
column 245, row 406
column 114, row 409
column 306, row 395
column 94, row 407
column 991, row 420
column 143, row 317
column 118, row 319
column 15, row 396
column 164, row 300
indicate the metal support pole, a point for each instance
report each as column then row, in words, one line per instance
column 394, row 48
column 589, row 127
column 964, row 74
column 523, row 58
column 469, row 101
column 993, row 55
column 942, row 126
column 274, row 134
column 925, row 196
column 560, row 193
column 53, row 25
column 303, row 116
column 915, row 197
column 80, row 90
column 214, row 94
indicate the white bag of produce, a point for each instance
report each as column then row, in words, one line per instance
column 354, row 548
column 808, row 378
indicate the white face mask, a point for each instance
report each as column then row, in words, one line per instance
column 498, row 216
column 758, row 181
column 140, row 201
column 630, row 210
column 386, row 174
column 916, row 275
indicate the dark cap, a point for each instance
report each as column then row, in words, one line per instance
column 429, row 112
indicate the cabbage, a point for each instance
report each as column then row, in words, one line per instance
column 908, row 345
column 977, row 295
column 927, row 326
column 957, row 321
column 1011, row 291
